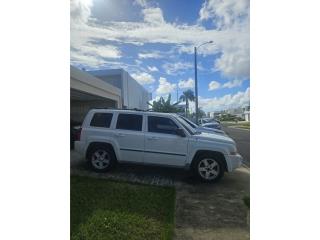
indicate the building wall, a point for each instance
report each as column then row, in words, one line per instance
column 133, row 94
column 79, row 109
column 137, row 95
column 247, row 116
column 87, row 92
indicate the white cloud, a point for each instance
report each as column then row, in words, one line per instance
column 104, row 51
column 153, row 16
column 155, row 55
column 232, row 84
column 153, row 69
column 231, row 16
column 224, row 13
column 227, row 101
column 143, row 78
column 213, row 85
column 176, row 68
column 165, row 87
column 184, row 84
column 141, row 3
column 231, row 37
column 235, row 63
column 80, row 10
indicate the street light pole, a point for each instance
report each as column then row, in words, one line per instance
column 196, row 78
column 196, row 83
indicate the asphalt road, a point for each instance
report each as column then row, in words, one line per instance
column 242, row 139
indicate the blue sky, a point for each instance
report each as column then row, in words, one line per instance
column 154, row 40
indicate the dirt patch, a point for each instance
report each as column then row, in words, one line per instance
column 213, row 211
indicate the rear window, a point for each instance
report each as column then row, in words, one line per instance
column 129, row 122
column 101, row 120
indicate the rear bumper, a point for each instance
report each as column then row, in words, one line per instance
column 234, row 162
column 79, row 147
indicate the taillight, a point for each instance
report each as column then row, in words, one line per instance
column 78, row 134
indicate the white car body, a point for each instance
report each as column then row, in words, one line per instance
column 146, row 147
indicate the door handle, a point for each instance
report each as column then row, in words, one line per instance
column 153, row 138
column 120, row 134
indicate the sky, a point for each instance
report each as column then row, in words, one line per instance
column 154, row 41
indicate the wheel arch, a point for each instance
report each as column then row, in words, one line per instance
column 216, row 154
column 104, row 144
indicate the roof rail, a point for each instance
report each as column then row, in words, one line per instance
column 124, row 109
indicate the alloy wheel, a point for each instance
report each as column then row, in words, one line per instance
column 100, row 159
column 209, row 168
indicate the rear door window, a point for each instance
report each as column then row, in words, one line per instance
column 129, row 122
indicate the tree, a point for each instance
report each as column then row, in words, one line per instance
column 201, row 114
column 186, row 97
column 164, row 105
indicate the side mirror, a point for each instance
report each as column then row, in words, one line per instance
column 180, row 132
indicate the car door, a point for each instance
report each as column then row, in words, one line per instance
column 162, row 145
column 130, row 137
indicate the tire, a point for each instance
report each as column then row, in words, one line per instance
column 101, row 158
column 208, row 168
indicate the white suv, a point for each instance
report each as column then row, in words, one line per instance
column 109, row 136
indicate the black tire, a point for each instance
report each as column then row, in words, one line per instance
column 219, row 168
column 104, row 166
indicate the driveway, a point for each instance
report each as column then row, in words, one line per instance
column 213, row 211
column 242, row 139
column 203, row 211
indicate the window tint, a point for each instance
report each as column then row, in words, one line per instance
column 161, row 125
column 101, row 120
column 129, row 122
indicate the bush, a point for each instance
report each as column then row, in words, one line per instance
column 246, row 201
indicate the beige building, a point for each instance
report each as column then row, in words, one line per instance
column 110, row 88
column 87, row 91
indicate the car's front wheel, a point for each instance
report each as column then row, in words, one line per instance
column 208, row 168
column 101, row 159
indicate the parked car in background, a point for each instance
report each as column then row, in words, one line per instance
column 110, row 136
column 210, row 123
column 201, row 128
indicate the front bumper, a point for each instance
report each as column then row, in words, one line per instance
column 234, row 162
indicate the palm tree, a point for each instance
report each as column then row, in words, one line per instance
column 164, row 105
column 186, row 97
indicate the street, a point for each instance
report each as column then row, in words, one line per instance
column 242, row 139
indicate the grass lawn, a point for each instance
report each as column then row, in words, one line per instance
column 103, row 209
column 245, row 125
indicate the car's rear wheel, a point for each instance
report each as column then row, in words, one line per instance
column 101, row 158
column 208, row 168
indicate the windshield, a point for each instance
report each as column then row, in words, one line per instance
column 193, row 125
column 186, row 126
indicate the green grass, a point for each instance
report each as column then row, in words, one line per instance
column 242, row 124
column 246, row 201
column 103, row 209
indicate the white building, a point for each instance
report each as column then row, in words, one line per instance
column 133, row 94
column 214, row 114
column 104, row 89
